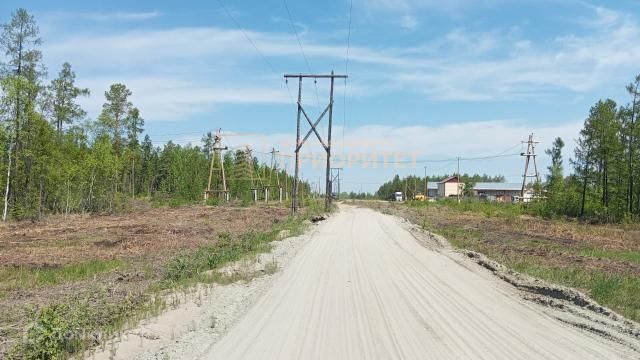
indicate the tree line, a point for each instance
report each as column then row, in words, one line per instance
column 55, row 160
column 605, row 183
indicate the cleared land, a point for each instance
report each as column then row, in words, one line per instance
column 111, row 261
column 600, row 260
column 366, row 287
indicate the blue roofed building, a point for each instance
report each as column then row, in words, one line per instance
column 432, row 188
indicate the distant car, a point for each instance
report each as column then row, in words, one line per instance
column 397, row 196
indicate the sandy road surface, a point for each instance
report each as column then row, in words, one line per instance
column 365, row 288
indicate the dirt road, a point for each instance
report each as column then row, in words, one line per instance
column 365, row 288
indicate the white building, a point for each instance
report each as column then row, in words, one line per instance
column 450, row 186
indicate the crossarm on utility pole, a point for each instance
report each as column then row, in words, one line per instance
column 313, row 127
column 326, row 146
column 319, row 76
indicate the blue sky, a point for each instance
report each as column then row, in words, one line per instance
column 427, row 81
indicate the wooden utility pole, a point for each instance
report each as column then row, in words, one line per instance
column 426, row 185
column 274, row 166
column 458, row 181
column 327, row 147
column 529, row 155
column 336, row 179
column 286, row 185
column 274, row 169
column 248, row 157
column 216, row 154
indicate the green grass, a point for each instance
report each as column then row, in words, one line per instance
column 459, row 236
column 489, row 209
column 62, row 329
column 187, row 268
column 618, row 292
column 29, row 278
column 620, row 255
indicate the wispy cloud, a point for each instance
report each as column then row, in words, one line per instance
column 409, row 22
column 531, row 69
column 121, row 16
column 404, row 11
column 174, row 99
column 462, row 65
column 102, row 16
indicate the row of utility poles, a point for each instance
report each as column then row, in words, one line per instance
column 217, row 183
column 330, row 178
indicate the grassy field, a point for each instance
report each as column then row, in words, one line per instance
column 601, row 260
column 68, row 284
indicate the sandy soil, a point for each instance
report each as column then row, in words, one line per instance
column 369, row 286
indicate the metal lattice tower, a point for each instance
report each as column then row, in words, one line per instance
column 529, row 155
column 217, row 168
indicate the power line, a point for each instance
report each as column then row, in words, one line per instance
column 449, row 161
column 205, row 133
column 273, row 69
column 295, row 32
column 488, row 157
column 443, row 167
column 346, row 71
column 502, row 154
column 346, row 64
column 264, row 58
column 422, row 161
column 442, row 160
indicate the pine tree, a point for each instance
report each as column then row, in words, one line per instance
column 629, row 115
column 21, row 74
column 598, row 161
column 114, row 112
column 61, row 98
column 134, row 124
column 555, row 180
column 113, row 121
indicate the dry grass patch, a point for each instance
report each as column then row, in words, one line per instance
column 115, row 261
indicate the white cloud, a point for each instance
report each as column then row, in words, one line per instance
column 121, row 16
column 199, row 65
column 528, row 70
column 405, row 11
column 409, row 22
column 102, row 16
column 438, row 5
column 173, row 99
